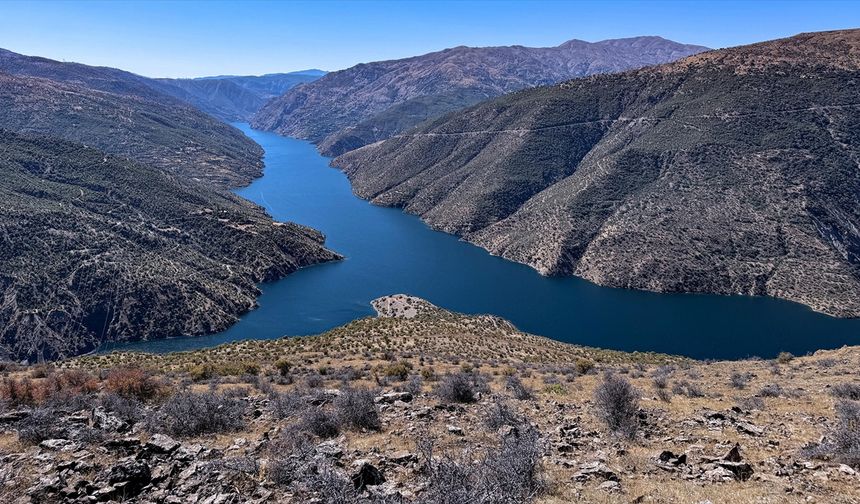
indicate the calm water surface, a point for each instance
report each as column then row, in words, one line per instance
column 390, row 252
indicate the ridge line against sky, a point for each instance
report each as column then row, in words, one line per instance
column 197, row 38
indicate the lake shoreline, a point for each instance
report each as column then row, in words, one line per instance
column 387, row 250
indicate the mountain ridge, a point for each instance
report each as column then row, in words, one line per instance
column 117, row 219
column 228, row 98
column 372, row 101
column 700, row 175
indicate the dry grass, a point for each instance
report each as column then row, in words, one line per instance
column 563, row 378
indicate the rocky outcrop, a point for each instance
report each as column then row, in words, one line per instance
column 732, row 171
column 373, row 101
column 403, row 306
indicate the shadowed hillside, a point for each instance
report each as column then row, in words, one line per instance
column 97, row 248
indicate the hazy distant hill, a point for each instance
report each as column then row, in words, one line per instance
column 373, row 101
column 235, row 98
column 732, row 171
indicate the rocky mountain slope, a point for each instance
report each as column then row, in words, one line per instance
column 389, row 409
column 234, row 98
column 96, row 248
column 119, row 113
column 170, row 136
column 373, row 101
column 732, row 171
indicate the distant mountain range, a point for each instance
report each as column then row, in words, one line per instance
column 227, row 97
column 731, row 171
column 370, row 102
column 235, row 98
column 115, row 222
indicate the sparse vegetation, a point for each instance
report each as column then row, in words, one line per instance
column 616, row 404
column 356, row 409
column 187, row 414
column 843, row 443
column 846, row 391
column 460, row 387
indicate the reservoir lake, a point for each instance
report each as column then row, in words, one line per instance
column 390, row 252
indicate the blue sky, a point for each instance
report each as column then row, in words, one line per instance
column 196, row 38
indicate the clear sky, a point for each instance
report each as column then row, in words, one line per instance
column 195, row 38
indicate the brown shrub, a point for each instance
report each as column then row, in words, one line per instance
column 24, row 392
column 70, row 383
column 399, row 370
column 133, row 382
column 583, row 366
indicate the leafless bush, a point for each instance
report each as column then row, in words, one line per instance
column 314, row 380
column 664, row 395
column 127, row 409
column 740, row 380
column 413, row 386
column 290, row 457
column 500, row 414
column 843, row 442
column 508, row 474
column 846, row 391
column 349, row 374
column 356, row 409
column 784, row 357
column 321, row 422
column 461, row 387
column 133, row 382
column 689, row 389
column 287, row 404
column 188, row 414
column 333, row 487
column 771, row 390
column 827, row 363
column 551, row 380
column 751, row 403
column 518, row 389
column 617, row 404
column 39, row 425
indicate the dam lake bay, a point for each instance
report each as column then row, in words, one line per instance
column 388, row 252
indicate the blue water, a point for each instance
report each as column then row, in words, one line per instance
column 390, row 252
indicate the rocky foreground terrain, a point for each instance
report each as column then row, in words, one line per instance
column 373, row 101
column 424, row 405
column 731, row 171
